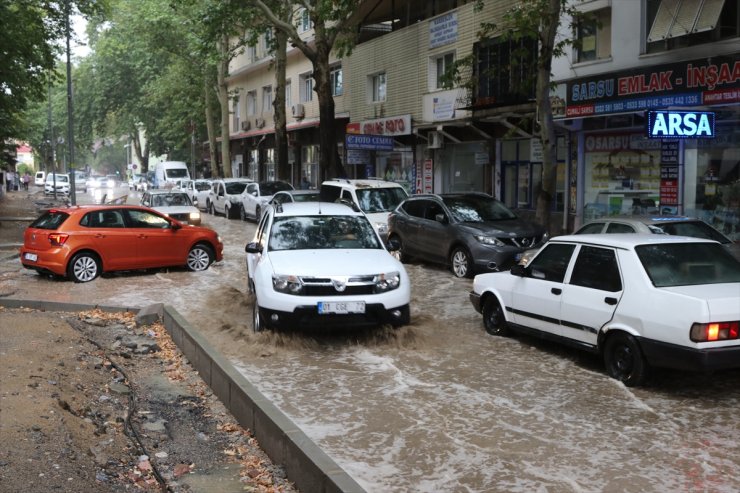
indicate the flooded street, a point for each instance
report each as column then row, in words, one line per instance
column 440, row 405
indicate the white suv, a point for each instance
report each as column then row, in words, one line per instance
column 376, row 198
column 60, row 181
column 321, row 265
column 224, row 196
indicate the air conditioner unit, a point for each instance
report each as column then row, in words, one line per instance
column 298, row 111
column 259, row 122
column 435, row 140
column 245, row 125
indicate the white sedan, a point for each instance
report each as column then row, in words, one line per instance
column 322, row 265
column 637, row 300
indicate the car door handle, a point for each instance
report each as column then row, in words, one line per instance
column 99, row 235
column 556, row 291
column 610, row 301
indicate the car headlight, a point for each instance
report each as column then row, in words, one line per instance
column 489, row 240
column 387, row 282
column 194, row 216
column 286, row 284
column 382, row 228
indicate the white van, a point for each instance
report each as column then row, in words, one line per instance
column 40, row 179
column 168, row 172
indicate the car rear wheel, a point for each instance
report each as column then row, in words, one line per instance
column 227, row 211
column 83, row 267
column 624, row 360
column 461, row 263
column 199, row 258
column 493, row 317
column 256, row 319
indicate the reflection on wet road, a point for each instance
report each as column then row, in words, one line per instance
column 442, row 406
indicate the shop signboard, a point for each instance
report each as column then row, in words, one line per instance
column 369, row 142
column 702, row 82
column 680, row 124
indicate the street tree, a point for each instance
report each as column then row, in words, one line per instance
column 333, row 23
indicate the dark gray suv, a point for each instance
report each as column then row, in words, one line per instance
column 470, row 232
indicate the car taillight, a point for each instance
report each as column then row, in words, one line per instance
column 58, row 239
column 715, row 331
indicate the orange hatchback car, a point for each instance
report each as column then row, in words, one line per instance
column 82, row 242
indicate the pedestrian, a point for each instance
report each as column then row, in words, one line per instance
column 10, row 180
column 26, row 180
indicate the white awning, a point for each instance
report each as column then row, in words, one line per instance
column 681, row 17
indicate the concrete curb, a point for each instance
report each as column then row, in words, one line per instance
column 305, row 463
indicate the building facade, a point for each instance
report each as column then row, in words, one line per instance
column 396, row 119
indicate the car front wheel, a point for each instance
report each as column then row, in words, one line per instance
column 83, row 267
column 624, row 360
column 256, row 319
column 461, row 262
column 199, row 258
column 493, row 317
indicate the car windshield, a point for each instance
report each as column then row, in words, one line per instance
column 306, row 197
column 175, row 173
column 235, row 188
column 170, row 199
column 272, row 187
column 322, row 232
column 380, row 199
column 477, row 209
column 696, row 229
column 50, row 220
column 686, row 264
column 202, row 186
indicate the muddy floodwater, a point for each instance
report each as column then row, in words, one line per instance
column 440, row 405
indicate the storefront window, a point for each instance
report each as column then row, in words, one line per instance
column 253, row 164
column 270, row 164
column 712, row 184
column 309, row 167
column 622, row 175
column 396, row 166
column 464, row 166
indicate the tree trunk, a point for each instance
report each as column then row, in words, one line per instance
column 549, row 26
column 281, row 132
column 223, row 99
column 329, row 163
column 207, row 86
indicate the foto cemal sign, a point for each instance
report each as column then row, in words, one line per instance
column 680, row 124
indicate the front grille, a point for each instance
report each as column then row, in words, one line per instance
column 522, row 241
column 184, row 217
column 325, row 286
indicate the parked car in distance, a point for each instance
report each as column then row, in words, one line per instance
column 81, row 242
column 135, row 180
column 80, row 181
column 197, row 190
column 39, row 178
column 651, row 224
column 471, row 232
column 257, row 195
column 96, row 182
column 373, row 196
column 57, row 181
column 295, row 196
column 322, row 265
column 172, row 203
column 638, row 300
column 225, row 196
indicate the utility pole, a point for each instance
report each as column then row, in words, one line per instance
column 70, row 116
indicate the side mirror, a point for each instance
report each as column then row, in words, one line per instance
column 518, row 270
column 393, row 245
column 253, row 247
column 440, row 218
column 175, row 225
column 255, row 193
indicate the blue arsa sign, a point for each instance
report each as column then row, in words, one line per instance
column 680, row 124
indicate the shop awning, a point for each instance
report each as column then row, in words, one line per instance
column 681, row 17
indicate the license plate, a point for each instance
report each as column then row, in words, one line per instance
column 30, row 256
column 326, row 307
